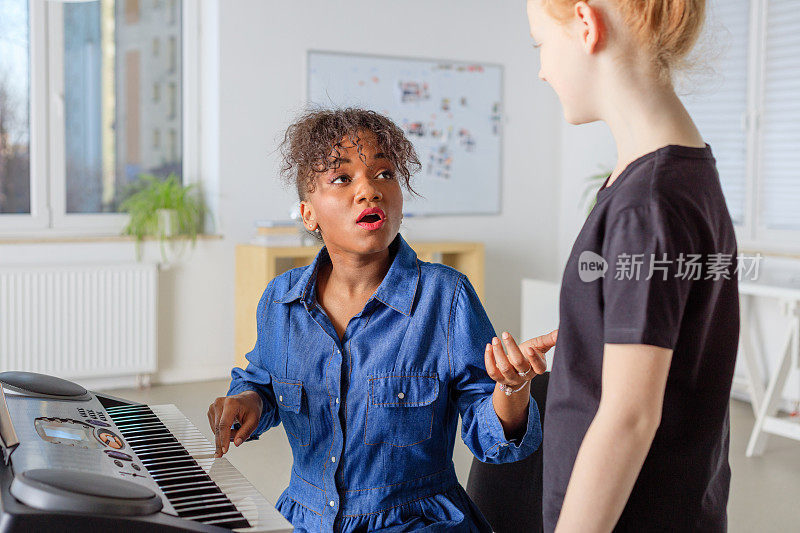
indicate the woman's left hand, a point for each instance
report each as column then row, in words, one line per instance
column 516, row 367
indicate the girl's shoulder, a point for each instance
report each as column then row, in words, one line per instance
column 674, row 180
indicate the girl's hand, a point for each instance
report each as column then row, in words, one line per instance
column 522, row 362
column 244, row 408
column 542, row 344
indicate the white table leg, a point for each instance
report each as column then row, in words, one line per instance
column 769, row 404
column 755, row 379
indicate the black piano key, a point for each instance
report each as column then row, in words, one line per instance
column 168, row 482
column 190, row 490
column 162, row 457
column 231, row 523
column 195, row 508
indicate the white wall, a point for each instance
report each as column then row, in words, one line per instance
column 586, row 150
column 260, row 48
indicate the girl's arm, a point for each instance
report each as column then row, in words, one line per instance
column 619, row 438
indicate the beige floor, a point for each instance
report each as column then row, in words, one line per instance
column 765, row 491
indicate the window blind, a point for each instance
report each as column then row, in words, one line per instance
column 780, row 119
column 718, row 104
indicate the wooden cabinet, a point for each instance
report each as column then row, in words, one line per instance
column 257, row 265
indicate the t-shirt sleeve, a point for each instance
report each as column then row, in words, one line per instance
column 644, row 290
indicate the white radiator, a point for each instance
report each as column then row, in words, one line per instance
column 79, row 321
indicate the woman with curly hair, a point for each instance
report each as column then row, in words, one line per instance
column 368, row 356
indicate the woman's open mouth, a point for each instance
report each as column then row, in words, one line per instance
column 372, row 218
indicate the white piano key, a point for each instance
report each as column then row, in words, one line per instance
column 157, row 449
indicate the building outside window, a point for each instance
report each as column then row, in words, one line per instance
column 102, row 59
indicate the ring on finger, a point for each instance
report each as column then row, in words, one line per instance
column 523, row 374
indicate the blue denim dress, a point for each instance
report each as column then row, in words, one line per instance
column 372, row 418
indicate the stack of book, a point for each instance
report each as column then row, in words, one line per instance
column 277, row 233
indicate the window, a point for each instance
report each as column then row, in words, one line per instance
column 131, row 11
column 172, row 11
column 173, row 101
column 15, row 190
column 173, row 143
column 780, row 118
column 173, row 54
column 750, row 114
column 77, row 127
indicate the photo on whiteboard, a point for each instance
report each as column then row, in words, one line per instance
column 440, row 162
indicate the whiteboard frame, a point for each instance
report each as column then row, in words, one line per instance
column 495, row 210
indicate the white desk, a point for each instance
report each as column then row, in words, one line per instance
column 785, row 288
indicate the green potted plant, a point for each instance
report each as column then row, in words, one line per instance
column 590, row 188
column 164, row 209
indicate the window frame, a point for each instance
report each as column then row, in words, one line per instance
column 48, row 216
column 38, row 217
column 753, row 235
column 779, row 240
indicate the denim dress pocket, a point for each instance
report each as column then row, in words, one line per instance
column 293, row 410
column 400, row 409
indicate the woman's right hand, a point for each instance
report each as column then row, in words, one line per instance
column 244, row 408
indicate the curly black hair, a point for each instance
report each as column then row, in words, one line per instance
column 308, row 143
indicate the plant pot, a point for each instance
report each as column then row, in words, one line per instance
column 167, row 223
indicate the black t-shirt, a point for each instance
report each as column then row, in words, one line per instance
column 666, row 217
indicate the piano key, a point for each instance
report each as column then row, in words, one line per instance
column 130, row 424
column 181, row 461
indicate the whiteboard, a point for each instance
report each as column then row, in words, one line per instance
column 450, row 110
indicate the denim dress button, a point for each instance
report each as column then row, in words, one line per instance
column 401, row 395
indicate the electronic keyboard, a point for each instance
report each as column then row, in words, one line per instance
column 75, row 460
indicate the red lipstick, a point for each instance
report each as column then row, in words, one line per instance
column 372, row 218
